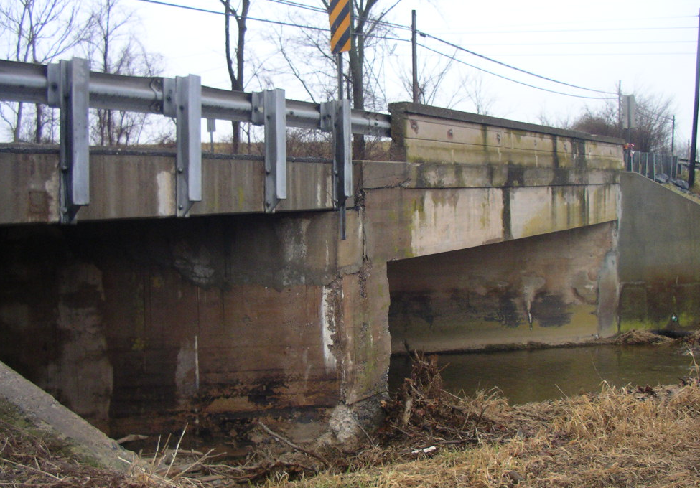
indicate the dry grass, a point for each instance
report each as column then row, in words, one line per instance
column 31, row 457
column 614, row 439
column 617, row 438
column 637, row 337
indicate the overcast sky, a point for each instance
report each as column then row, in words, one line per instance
column 647, row 46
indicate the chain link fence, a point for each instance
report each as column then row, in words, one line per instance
column 662, row 168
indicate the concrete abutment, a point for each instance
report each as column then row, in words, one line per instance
column 143, row 326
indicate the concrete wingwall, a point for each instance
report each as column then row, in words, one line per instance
column 659, row 256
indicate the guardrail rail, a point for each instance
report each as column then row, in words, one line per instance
column 70, row 86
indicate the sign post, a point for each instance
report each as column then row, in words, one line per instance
column 629, row 112
column 340, row 16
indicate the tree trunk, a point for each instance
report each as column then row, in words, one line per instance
column 39, row 124
column 17, row 132
column 235, row 78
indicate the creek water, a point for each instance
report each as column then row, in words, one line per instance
column 545, row 374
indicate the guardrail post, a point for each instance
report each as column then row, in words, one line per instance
column 336, row 117
column 342, row 162
column 182, row 99
column 68, row 89
column 269, row 109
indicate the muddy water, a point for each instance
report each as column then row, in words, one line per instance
column 542, row 374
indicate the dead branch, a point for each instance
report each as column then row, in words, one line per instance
column 292, row 445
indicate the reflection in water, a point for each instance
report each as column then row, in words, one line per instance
column 542, row 374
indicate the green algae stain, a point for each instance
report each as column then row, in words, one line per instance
column 240, row 197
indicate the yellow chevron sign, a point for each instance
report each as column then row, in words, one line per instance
column 340, row 12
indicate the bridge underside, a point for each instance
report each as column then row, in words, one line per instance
column 550, row 289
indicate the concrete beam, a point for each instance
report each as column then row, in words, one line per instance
column 374, row 175
column 404, row 223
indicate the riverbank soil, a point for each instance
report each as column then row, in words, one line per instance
column 630, row 437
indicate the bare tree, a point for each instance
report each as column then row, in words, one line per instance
column 479, row 95
column 307, row 57
column 112, row 48
column 240, row 14
column 432, row 78
column 563, row 122
column 39, row 31
column 653, row 120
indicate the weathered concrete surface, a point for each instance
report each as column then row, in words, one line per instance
column 470, row 180
column 551, row 289
column 429, row 134
column 29, row 188
column 405, row 222
column 142, row 326
column 487, row 175
column 659, row 256
column 128, row 185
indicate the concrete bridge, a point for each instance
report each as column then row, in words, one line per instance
column 480, row 232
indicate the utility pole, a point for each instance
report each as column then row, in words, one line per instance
column 694, row 137
column 673, row 135
column 416, row 94
column 619, row 105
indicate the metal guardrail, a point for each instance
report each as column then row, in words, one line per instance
column 653, row 164
column 70, row 86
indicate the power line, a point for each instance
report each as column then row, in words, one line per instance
column 557, row 43
column 300, row 6
column 199, row 9
column 460, row 48
column 512, row 80
column 403, row 27
column 598, row 54
column 558, row 31
column 617, row 20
